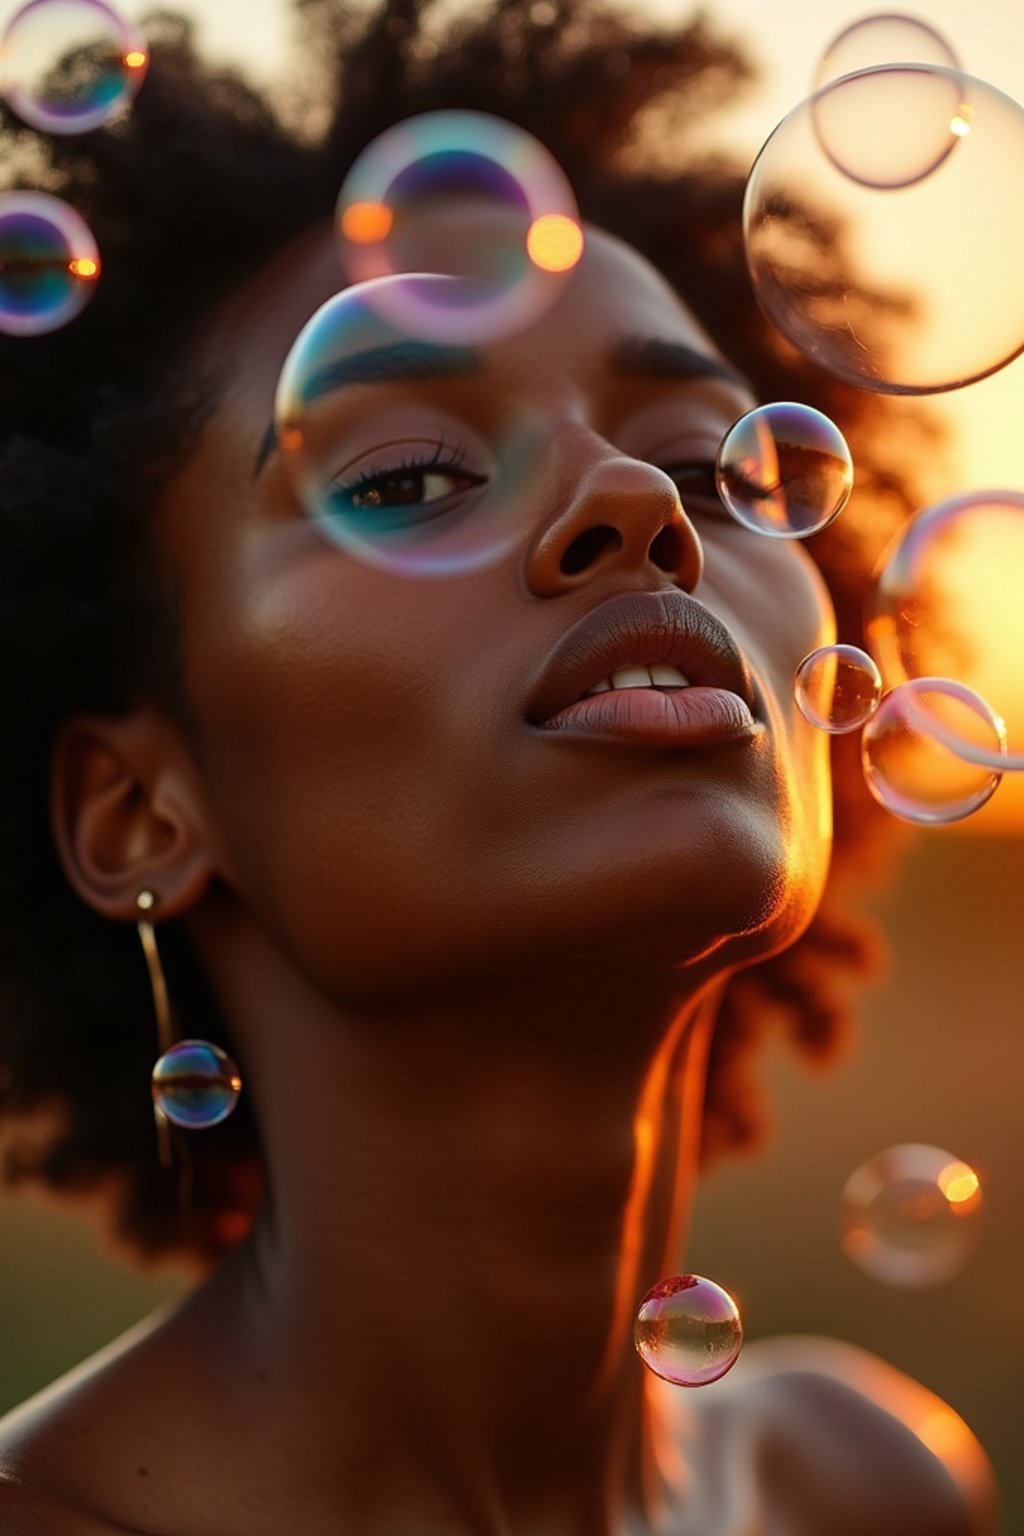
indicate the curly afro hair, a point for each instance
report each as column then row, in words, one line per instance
column 187, row 195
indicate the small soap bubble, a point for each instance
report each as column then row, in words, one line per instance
column 195, row 1084
column 878, row 40
column 907, row 764
column 688, row 1330
column 837, row 688
column 399, row 494
column 69, row 66
column 882, row 222
column 908, row 1215
column 945, row 601
column 467, row 196
column 49, row 263
column 784, row 470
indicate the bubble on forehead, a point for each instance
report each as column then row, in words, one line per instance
column 784, row 470
column 381, row 473
column 909, row 766
column 879, row 40
column 69, row 66
column 883, row 222
column 464, row 195
column 945, row 600
column 49, row 263
column 837, row 688
column 909, row 1215
column 688, row 1330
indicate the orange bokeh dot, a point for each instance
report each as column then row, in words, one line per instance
column 554, row 242
column 84, row 266
column 366, row 223
column 135, row 60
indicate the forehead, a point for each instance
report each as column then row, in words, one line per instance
column 614, row 293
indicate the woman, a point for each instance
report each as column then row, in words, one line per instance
column 466, row 935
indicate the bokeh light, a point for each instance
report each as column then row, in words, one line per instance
column 464, row 195
column 49, row 263
column 784, row 470
column 898, row 272
column 69, row 66
column 907, row 1215
column 688, row 1330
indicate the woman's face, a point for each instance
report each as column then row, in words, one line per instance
column 395, row 791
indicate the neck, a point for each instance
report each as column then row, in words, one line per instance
column 467, row 1200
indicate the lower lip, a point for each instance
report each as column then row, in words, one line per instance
column 680, row 717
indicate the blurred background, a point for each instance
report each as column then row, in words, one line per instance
column 937, row 1058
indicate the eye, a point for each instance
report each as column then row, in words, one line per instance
column 414, row 488
column 697, row 489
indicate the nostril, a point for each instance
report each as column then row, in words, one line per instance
column 667, row 549
column 587, row 548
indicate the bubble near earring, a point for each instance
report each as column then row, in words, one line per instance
column 195, row 1084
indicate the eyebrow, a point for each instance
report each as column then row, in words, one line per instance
column 649, row 357
column 397, row 363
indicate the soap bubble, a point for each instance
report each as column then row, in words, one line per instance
column 784, row 470
column 68, row 66
column 464, row 195
column 837, row 688
column 908, row 766
column 908, row 1215
column 946, row 601
column 907, row 291
column 879, row 40
column 49, row 263
column 195, row 1084
column 393, row 489
column 688, row 1330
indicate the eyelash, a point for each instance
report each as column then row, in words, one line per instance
column 445, row 458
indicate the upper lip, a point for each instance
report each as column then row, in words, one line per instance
column 643, row 628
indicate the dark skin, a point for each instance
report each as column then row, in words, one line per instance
column 471, row 964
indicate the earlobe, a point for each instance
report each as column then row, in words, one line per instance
column 127, row 813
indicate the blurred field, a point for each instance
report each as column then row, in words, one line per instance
column 939, row 1060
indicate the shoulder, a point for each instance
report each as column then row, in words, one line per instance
column 846, row 1444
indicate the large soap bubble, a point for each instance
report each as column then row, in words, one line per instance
column 688, row 1330
column 946, row 601
column 888, row 38
column 909, row 1215
column 883, row 223
column 909, row 764
column 463, row 195
column 69, row 66
column 784, row 470
column 49, row 263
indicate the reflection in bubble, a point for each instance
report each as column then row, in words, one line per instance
column 784, row 470
column 195, row 1084
column 463, row 195
column 885, row 39
column 49, row 263
column 908, row 1215
column 945, row 601
column 688, row 1330
column 837, row 688
column 907, row 765
column 69, row 66
column 906, row 291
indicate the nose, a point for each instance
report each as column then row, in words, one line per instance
column 622, row 515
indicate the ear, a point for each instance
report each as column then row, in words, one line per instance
column 127, row 813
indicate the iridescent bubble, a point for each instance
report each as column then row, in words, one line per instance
column 68, row 66
column 879, row 40
column 49, row 263
column 387, row 481
column 688, row 1330
column 463, row 195
column 946, row 601
column 837, row 688
column 195, row 1084
column 908, row 1215
column 784, row 470
column 907, row 765
column 907, row 291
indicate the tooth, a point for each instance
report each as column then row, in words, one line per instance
column 665, row 676
column 631, row 677
column 604, row 686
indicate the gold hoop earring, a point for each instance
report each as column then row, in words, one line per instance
column 195, row 1084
